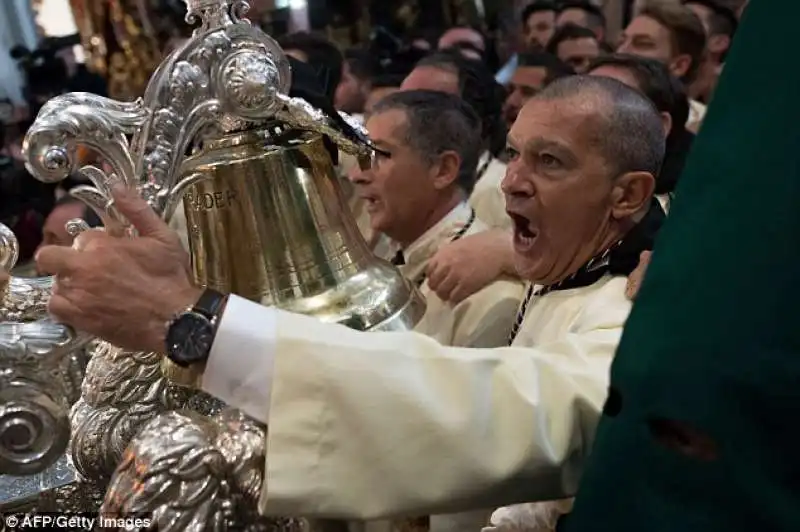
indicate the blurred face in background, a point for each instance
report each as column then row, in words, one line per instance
column 539, row 28
column 578, row 53
column 572, row 15
column 623, row 75
column 717, row 43
column 54, row 232
column 432, row 78
column 646, row 37
column 352, row 92
column 525, row 83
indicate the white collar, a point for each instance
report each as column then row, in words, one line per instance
column 419, row 252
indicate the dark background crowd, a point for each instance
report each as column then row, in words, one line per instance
column 671, row 51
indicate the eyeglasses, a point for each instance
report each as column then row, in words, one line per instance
column 374, row 153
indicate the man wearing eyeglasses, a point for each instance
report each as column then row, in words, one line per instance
column 416, row 194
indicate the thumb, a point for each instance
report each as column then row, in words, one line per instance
column 129, row 204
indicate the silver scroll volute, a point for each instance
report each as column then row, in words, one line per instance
column 34, row 393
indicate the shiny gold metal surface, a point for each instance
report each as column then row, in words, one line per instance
column 271, row 224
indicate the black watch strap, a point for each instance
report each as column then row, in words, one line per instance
column 210, row 304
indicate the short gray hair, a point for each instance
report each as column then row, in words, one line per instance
column 437, row 122
column 630, row 132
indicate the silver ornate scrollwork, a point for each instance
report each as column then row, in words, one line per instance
column 34, row 395
column 193, row 471
column 122, row 391
column 80, row 119
column 37, row 373
column 219, row 81
column 214, row 462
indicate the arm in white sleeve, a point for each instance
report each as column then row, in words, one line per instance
column 240, row 365
column 369, row 425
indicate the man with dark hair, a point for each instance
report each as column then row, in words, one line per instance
column 673, row 34
column 534, row 71
column 387, row 77
column 584, row 14
column 436, row 126
column 355, row 85
column 652, row 78
column 539, row 23
column 418, row 427
column 669, row 32
column 574, row 45
column 720, row 24
column 321, row 54
column 449, row 72
column 416, row 194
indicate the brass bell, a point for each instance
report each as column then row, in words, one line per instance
column 267, row 220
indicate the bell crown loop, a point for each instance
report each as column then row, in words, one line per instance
column 214, row 14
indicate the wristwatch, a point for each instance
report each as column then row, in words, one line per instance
column 191, row 333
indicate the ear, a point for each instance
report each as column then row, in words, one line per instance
column 680, row 65
column 631, row 194
column 717, row 44
column 445, row 171
column 666, row 121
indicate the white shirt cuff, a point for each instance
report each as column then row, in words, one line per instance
column 240, row 365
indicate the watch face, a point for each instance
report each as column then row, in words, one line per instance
column 189, row 339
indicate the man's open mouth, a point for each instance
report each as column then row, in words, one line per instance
column 524, row 234
column 371, row 201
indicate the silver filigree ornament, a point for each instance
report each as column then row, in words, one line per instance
column 214, row 462
column 228, row 77
column 37, row 372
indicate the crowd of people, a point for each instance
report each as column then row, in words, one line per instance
column 522, row 202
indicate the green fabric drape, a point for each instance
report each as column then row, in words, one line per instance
column 714, row 340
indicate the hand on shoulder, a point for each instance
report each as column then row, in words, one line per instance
column 462, row 268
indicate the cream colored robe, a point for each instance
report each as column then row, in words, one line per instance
column 482, row 320
column 370, row 425
column 487, row 198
